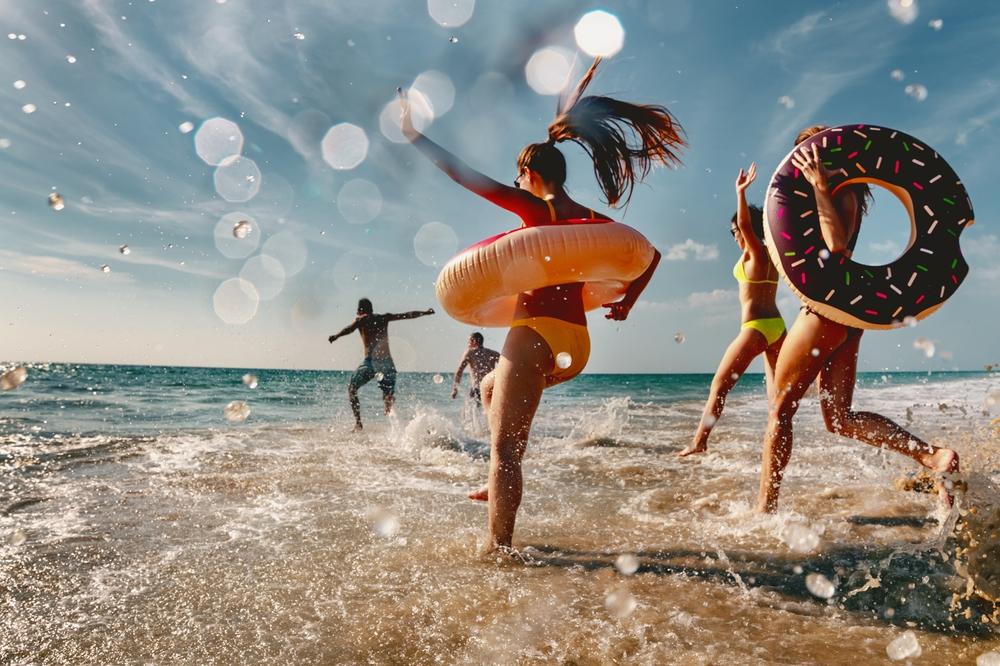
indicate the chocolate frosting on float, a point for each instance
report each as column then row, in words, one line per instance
column 846, row 291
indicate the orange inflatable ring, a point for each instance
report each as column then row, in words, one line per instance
column 480, row 285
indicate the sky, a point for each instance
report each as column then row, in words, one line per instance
column 113, row 85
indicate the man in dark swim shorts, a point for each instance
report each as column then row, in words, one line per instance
column 481, row 362
column 377, row 364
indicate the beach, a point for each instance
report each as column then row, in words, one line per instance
column 137, row 525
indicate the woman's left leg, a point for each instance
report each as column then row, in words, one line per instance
column 837, row 380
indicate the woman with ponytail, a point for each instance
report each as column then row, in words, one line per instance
column 624, row 142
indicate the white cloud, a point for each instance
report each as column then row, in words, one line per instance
column 692, row 248
column 56, row 268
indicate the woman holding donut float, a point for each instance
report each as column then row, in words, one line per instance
column 763, row 329
column 815, row 205
column 565, row 259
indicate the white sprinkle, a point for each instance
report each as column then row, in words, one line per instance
column 935, row 179
column 796, row 263
column 806, row 214
column 917, row 162
column 808, row 231
column 926, row 251
column 829, row 294
column 895, row 289
column 878, row 162
column 909, row 283
column 801, row 194
column 856, row 299
column 897, row 311
column 933, row 226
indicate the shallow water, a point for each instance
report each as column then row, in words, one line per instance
column 138, row 526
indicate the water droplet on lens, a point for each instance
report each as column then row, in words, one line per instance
column 242, row 229
column 438, row 379
column 299, row 36
column 820, row 586
column 897, row 75
column 18, row 537
column 453, row 39
column 186, row 126
column 627, row 564
column 905, row 646
column 620, row 603
column 800, row 538
column 124, row 249
column 105, row 268
column 19, row 84
column 814, row 351
column 563, row 360
column 56, row 201
column 988, row 659
column 236, row 411
column 29, row 108
column 936, row 24
column 13, row 378
column 71, row 59
column 679, row 337
column 910, row 321
column 824, row 254
column 250, row 380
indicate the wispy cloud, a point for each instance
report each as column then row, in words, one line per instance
column 691, row 249
column 57, row 268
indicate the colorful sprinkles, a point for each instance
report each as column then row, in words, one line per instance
column 852, row 293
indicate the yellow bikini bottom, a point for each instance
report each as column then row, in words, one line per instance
column 568, row 342
column 771, row 328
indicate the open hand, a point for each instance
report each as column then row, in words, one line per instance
column 617, row 311
column 429, row 311
column 332, row 338
column 809, row 163
column 745, row 178
column 406, row 116
column 454, row 393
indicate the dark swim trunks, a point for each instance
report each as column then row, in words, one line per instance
column 369, row 368
column 474, row 394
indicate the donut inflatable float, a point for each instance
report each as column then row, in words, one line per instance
column 480, row 285
column 855, row 294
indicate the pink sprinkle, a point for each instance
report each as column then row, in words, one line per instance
column 811, row 248
column 871, row 312
column 796, row 172
column 852, row 155
column 838, row 139
column 803, row 278
column 880, row 294
column 919, row 300
column 842, row 260
column 785, row 235
column 896, row 170
column 861, row 126
column 918, row 185
column 781, row 212
column 954, row 279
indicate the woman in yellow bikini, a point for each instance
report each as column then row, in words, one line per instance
column 625, row 141
column 763, row 329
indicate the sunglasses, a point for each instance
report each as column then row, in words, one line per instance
column 732, row 230
column 517, row 179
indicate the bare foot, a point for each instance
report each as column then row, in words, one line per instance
column 481, row 495
column 692, row 449
column 945, row 463
column 358, row 427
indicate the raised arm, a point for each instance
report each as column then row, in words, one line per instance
column 458, row 374
column 413, row 314
column 350, row 328
column 619, row 310
column 753, row 245
column 836, row 218
column 523, row 204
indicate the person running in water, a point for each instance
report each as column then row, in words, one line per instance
column 763, row 329
column 481, row 362
column 374, row 330
column 623, row 141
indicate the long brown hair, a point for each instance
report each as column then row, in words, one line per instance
column 623, row 140
column 861, row 190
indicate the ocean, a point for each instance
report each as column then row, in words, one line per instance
column 139, row 525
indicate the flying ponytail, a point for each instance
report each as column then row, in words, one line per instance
column 623, row 140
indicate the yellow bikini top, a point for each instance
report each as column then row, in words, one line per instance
column 740, row 274
column 552, row 210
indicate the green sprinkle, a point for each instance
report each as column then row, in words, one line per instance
column 847, row 279
column 868, row 145
column 869, row 273
column 789, row 254
column 836, row 150
column 922, row 267
column 954, row 262
column 826, row 164
column 906, row 147
column 953, row 234
column 948, row 201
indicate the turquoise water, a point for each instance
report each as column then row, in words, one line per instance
column 142, row 400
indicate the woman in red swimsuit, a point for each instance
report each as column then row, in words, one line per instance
column 624, row 140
